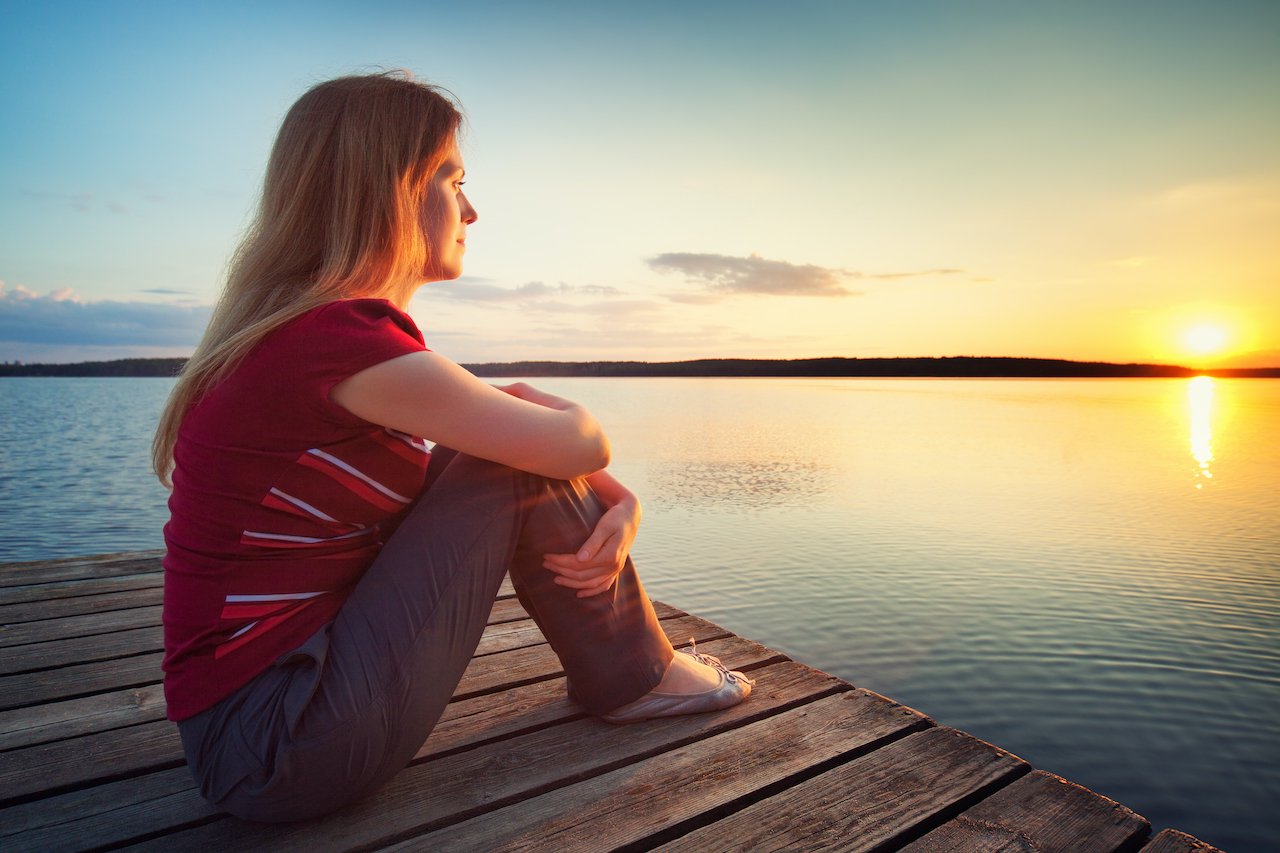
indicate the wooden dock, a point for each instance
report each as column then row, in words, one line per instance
column 809, row 762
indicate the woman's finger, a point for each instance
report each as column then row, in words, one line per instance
column 586, row 583
column 602, row 533
column 565, row 561
column 591, row 547
column 586, row 575
column 603, row 587
column 599, row 555
column 577, row 570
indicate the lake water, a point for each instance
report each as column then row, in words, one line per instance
column 1083, row 572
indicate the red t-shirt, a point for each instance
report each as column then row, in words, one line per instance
column 281, row 500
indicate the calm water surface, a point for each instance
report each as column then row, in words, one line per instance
column 1084, row 572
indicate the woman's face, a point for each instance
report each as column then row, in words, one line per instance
column 445, row 218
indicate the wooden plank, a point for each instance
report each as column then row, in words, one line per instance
column 867, row 804
column 1173, row 841
column 69, row 682
column 56, row 653
column 66, row 589
column 506, row 636
column 106, row 814
column 629, row 807
column 1043, row 811
column 31, row 611
column 49, row 766
column 506, row 610
column 78, row 626
column 75, row 568
column 458, row 786
column 35, row 724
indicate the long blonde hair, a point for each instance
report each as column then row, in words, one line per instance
column 339, row 218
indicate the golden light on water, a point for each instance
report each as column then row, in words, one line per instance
column 1200, row 400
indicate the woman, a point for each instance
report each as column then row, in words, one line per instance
column 325, row 587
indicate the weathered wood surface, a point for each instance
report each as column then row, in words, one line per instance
column 1045, row 811
column 808, row 762
column 1174, row 841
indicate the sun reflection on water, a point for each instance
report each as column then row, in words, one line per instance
column 1200, row 400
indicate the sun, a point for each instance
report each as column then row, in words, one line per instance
column 1205, row 339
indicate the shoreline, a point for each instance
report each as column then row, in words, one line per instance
column 949, row 367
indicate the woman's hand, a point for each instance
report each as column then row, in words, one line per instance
column 592, row 570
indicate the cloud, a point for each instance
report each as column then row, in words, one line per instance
column 623, row 339
column 477, row 290
column 538, row 297
column 889, row 276
column 694, row 298
column 616, row 308
column 725, row 274
column 87, row 202
column 62, row 317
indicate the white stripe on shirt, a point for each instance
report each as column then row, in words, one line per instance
column 315, row 451
column 303, row 505
column 281, row 596
column 309, row 540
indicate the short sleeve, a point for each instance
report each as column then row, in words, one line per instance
column 341, row 339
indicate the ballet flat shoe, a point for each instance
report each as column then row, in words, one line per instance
column 732, row 689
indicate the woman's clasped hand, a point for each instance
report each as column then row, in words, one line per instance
column 603, row 556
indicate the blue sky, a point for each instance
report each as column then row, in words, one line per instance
column 684, row 180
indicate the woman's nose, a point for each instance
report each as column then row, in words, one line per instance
column 469, row 214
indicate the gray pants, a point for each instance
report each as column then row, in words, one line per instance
column 342, row 714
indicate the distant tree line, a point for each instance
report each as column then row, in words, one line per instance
column 121, row 367
column 952, row 366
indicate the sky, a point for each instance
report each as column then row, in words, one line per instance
column 662, row 181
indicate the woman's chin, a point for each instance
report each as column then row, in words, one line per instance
column 433, row 276
column 442, row 273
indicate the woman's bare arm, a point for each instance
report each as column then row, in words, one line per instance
column 609, row 490
column 425, row 394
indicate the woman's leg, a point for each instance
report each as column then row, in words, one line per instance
column 349, row 709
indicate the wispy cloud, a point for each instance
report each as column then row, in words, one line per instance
column 890, row 276
column 82, row 202
column 624, row 339
column 479, row 290
column 724, row 274
column 62, row 317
